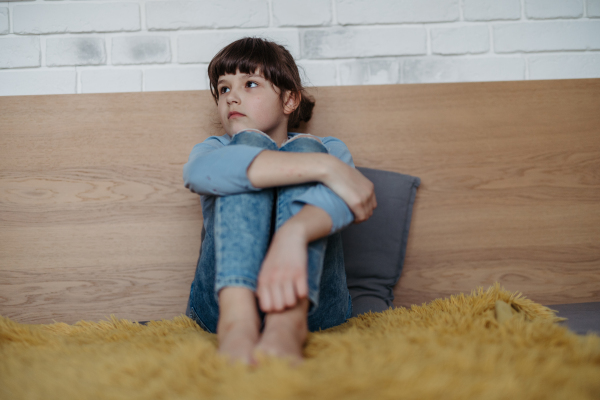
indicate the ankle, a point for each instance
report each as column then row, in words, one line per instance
column 294, row 318
column 237, row 307
column 226, row 325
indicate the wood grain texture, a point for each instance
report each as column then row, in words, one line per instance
column 94, row 218
column 510, row 181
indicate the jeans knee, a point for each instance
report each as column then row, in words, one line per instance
column 254, row 138
column 304, row 143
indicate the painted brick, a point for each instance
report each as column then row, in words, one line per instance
column 564, row 66
column 141, row 50
column 369, row 72
column 593, row 8
column 3, row 20
column 301, row 13
column 19, row 52
column 460, row 40
column 188, row 78
column 317, row 73
column 202, row 47
column 544, row 9
column 76, row 17
column 546, row 36
column 75, row 51
column 363, row 42
column 464, row 69
column 171, row 15
column 489, row 10
column 111, row 81
column 354, row 12
column 29, row 82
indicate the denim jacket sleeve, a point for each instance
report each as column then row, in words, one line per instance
column 323, row 197
column 219, row 170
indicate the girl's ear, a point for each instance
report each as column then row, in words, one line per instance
column 291, row 101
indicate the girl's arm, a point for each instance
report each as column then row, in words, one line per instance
column 274, row 168
column 216, row 169
column 283, row 274
column 219, row 170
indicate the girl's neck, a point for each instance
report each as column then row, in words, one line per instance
column 279, row 136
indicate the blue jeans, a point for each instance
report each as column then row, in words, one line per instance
column 237, row 237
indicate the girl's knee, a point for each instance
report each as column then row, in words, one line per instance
column 254, row 138
column 302, row 135
column 304, row 143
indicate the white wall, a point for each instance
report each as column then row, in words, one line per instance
column 50, row 46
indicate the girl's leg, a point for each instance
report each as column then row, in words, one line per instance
column 236, row 239
column 329, row 303
column 242, row 233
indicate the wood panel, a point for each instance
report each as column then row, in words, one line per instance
column 94, row 218
column 510, row 181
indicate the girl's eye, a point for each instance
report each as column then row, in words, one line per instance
column 223, row 89
column 251, row 83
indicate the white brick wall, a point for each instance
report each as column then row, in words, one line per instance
column 432, row 70
column 75, row 17
column 547, row 36
column 363, row 42
column 201, row 47
column 151, row 45
column 359, row 12
column 490, row 10
column 75, row 51
column 141, row 50
column 472, row 39
column 168, row 15
column 593, row 8
column 545, row 9
column 301, row 13
column 3, row 20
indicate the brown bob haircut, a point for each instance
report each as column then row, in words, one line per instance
column 274, row 62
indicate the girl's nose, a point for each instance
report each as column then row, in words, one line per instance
column 233, row 97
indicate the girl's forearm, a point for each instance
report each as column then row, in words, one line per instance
column 275, row 168
column 310, row 223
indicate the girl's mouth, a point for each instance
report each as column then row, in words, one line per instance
column 234, row 114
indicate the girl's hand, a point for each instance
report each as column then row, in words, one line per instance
column 357, row 191
column 283, row 278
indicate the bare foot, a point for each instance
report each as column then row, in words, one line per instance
column 285, row 333
column 239, row 325
column 237, row 340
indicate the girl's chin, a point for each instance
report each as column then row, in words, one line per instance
column 238, row 128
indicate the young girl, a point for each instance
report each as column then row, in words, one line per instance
column 271, row 263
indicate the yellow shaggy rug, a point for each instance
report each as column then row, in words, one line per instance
column 491, row 344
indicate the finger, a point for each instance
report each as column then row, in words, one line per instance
column 288, row 294
column 362, row 214
column 301, row 287
column 372, row 205
column 359, row 213
column 265, row 299
column 277, row 297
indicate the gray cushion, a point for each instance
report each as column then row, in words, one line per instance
column 374, row 250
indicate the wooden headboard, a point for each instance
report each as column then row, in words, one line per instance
column 94, row 218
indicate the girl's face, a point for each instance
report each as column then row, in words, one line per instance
column 249, row 101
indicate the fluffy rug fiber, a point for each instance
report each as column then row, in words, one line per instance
column 491, row 344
